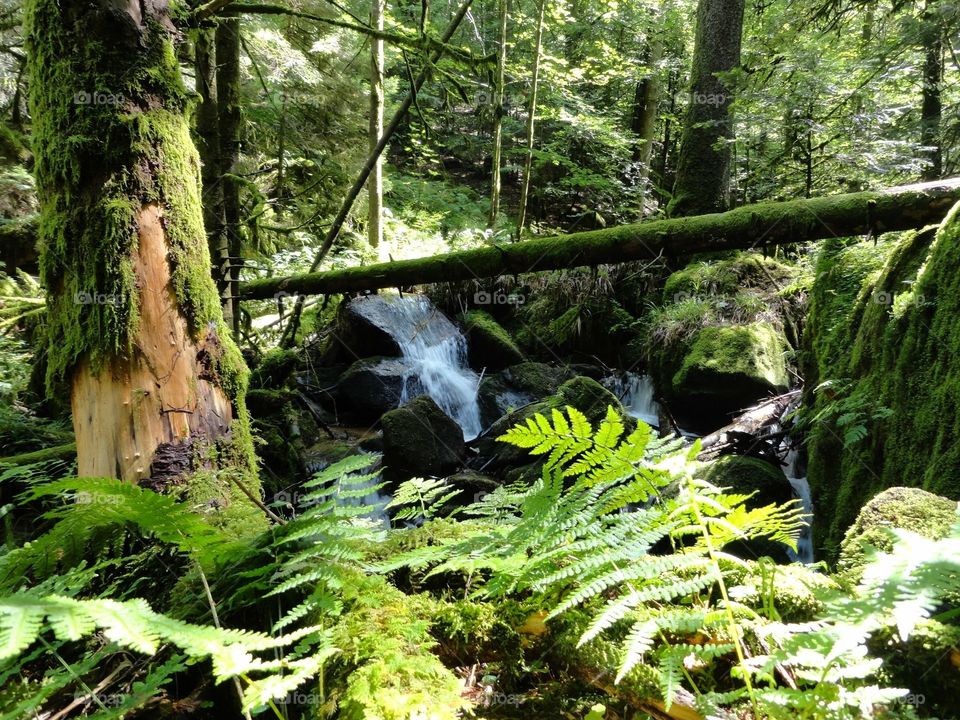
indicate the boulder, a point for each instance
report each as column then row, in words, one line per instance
column 420, row 440
column 536, row 378
column 497, row 398
column 370, row 387
column 740, row 474
column 588, row 396
column 489, row 346
column 727, row 368
column 360, row 329
column 898, row 507
column 745, row 475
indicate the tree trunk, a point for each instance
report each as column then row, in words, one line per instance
column 531, row 118
column 375, row 184
column 498, row 113
column 228, row 104
column 932, row 108
column 134, row 320
column 208, row 144
column 748, row 227
column 646, row 100
column 703, row 171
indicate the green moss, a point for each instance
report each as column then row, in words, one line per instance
column 796, row 591
column 726, row 277
column 111, row 133
column 274, row 368
column 741, row 354
column 490, row 344
column 892, row 334
column 899, row 507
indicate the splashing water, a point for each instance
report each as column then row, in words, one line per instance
column 801, row 487
column 637, row 393
column 436, row 353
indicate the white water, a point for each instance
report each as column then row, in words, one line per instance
column 636, row 392
column 436, row 353
column 801, row 488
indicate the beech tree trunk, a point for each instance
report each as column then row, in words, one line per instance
column 498, row 113
column 703, row 170
column 748, row 227
column 134, row 321
column 375, row 184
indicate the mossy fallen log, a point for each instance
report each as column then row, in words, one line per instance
column 67, row 451
column 751, row 226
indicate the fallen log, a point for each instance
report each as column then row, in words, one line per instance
column 752, row 226
column 67, row 451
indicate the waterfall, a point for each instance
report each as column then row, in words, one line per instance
column 436, row 353
column 636, row 392
column 801, row 487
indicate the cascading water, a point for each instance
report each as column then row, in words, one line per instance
column 436, row 353
column 802, row 489
column 637, row 393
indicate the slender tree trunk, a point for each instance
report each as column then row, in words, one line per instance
column 703, row 171
column 531, row 118
column 228, row 103
column 932, row 106
column 375, row 184
column 498, row 113
column 134, row 322
column 646, row 100
column 663, row 170
column 208, row 144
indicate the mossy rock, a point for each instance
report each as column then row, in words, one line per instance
column 898, row 507
column 489, row 345
column 497, row 398
column 745, row 475
column 726, row 369
column 726, row 276
column 885, row 330
column 928, row 663
column 537, row 378
column 420, row 440
column 274, row 369
column 797, row 591
column 586, row 395
column 768, row 484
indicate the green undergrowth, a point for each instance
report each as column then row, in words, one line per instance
column 607, row 575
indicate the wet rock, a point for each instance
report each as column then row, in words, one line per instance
column 420, row 440
column 361, row 329
column 489, row 345
column 371, row 387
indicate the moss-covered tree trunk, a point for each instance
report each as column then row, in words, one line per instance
column 646, row 100
column 931, row 109
column 134, row 320
column 703, row 171
column 375, row 183
column 228, row 113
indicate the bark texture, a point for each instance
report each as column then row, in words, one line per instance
column 703, row 171
column 134, row 320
